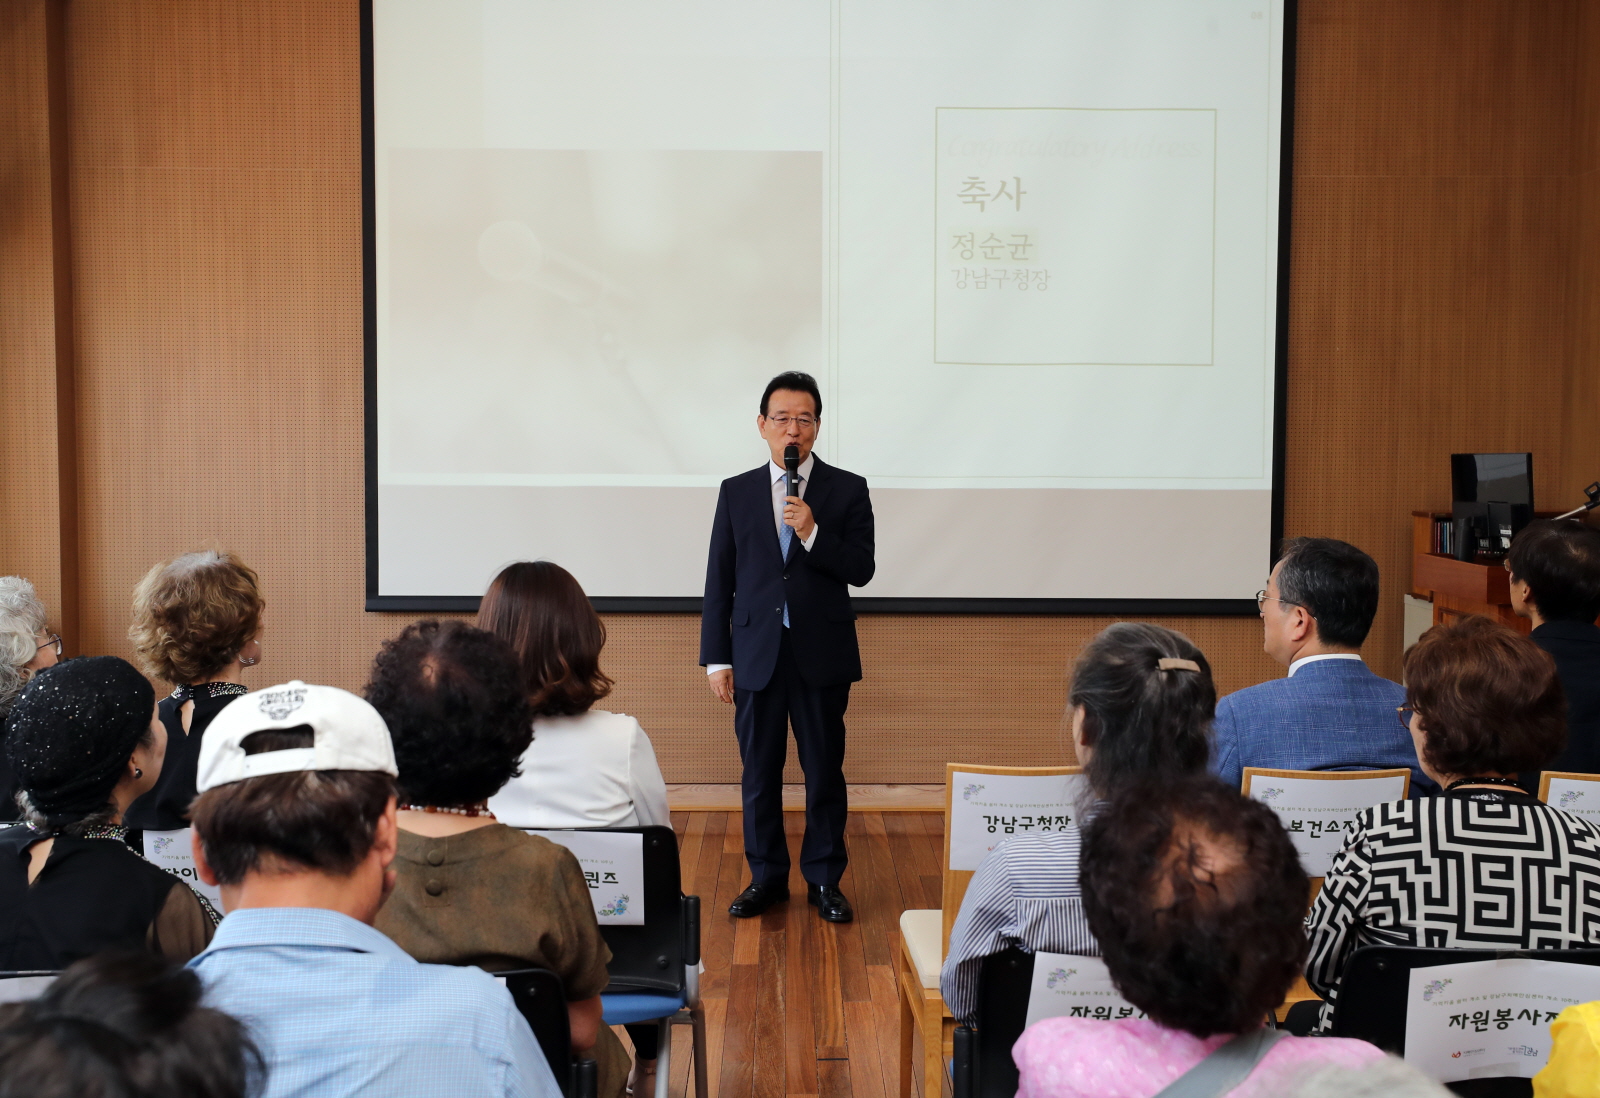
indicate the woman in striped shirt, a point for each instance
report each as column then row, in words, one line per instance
column 1140, row 707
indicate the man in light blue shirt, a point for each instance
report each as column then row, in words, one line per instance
column 296, row 822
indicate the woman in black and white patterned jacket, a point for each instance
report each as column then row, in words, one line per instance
column 1482, row 864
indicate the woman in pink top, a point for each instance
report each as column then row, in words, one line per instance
column 1197, row 899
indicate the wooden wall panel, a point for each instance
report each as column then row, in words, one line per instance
column 216, row 217
column 1581, row 398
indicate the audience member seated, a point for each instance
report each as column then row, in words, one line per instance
column 469, row 890
column 25, row 647
column 296, row 822
column 196, row 623
column 1555, row 583
column 1196, row 896
column 124, row 1024
column 586, row 767
column 1331, row 712
column 1141, row 703
column 84, row 741
column 1483, row 863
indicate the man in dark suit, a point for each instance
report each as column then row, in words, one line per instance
column 1555, row 583
column 778, row 641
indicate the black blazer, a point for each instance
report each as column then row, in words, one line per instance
column 1576, row 648
column 747, row 579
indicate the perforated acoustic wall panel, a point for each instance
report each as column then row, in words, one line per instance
column 216, row 212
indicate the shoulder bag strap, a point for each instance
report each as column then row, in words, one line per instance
column 1227, row 1066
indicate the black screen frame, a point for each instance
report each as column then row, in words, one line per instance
column 862, row 604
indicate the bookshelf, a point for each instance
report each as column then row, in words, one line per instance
column 1458, row 588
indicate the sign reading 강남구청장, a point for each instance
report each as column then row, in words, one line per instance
column 987, row 809
column 1486, row 1019
column 1318, row 813
column 613, row 868
column 1065, row 986
column 174, row 852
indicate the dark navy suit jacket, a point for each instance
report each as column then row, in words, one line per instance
column 1328, row 715
column 1576, row 648
column 748, row 580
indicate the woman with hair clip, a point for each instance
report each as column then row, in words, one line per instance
column 1140, row 708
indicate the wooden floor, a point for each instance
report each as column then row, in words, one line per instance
column 796, row 1006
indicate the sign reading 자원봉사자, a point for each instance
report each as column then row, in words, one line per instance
column 613, row 868
column 1489, row 1019
column 1067, row 986
column 987, row 809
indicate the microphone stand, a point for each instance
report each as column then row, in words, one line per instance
column 1593, row 492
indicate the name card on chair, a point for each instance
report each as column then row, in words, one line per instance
column 1067, row 986
column 613, row 866
column 1579, row 796
column 1319, row 812
column 987, row 809
column 174, row 852
column 1490, row 1019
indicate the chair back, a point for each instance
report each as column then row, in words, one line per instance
column 543, row 1002
column 651, row 956
column 985, row 805
column 1318, row 807
column 1494, row 1005
column 1578, row 794
column 20, row 986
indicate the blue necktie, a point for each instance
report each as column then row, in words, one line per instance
column 785, row 539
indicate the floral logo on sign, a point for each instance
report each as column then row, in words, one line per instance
column 619, row 906
column 161, row 844
column 1431, row 989
column 1059, row 976
column 1569, row 796
column 1270, row 793
column 1522, row 1050
column 966, row 794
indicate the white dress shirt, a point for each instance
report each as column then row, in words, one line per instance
column 1303, row 660
column 594, row 769
column 780, row 498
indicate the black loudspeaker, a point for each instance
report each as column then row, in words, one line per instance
column 1465, row 534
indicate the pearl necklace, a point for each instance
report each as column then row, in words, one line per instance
column 451, row 810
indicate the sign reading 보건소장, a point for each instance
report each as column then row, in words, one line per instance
column 613, row 868
column 1065, row 986
column 1487, row 1019
column 1318, row 813
column 987, row 809
column 174, row 852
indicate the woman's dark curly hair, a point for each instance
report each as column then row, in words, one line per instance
column 1198, row 901
column 125, row 1024
column 452, row 697
column 1145, row 724
column 542, row 611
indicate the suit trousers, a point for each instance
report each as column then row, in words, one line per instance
column 761, row 720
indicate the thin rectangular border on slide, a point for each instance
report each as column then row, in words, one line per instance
column 376, row 602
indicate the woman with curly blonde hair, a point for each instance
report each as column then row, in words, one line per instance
column 197, row 625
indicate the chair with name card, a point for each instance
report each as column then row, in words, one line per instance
column 1578, row 794
column 983, row 805
column 655, row 960
column 1317, row 808
column 543, row 1002
column 18, row 987
column 1377, row 992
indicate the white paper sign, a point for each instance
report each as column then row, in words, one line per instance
column 1574, row 795
column 174, row 852
column 1486, row 1019
column 1319, row 813
column 613, row 864
column 1065, row 986
column 988, row 809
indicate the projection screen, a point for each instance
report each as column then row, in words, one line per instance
column 1032, row 251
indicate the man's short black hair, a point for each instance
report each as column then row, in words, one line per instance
column 795, row 382
column 1560, row 563
column 1336, row 583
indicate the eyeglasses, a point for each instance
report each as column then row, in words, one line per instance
column 1405, row 712
column 55, row 639
column 805, row 423
column 1262, row 597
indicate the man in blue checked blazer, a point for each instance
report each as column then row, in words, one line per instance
column 778, row 641
column 1331, row 712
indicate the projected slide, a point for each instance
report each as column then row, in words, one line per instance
column 1029, row 250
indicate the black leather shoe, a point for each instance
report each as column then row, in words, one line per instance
column 830, row 903
column 757, row 898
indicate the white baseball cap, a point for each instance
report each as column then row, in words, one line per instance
column 348, row 735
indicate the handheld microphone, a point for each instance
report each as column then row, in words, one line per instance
column 791, row 465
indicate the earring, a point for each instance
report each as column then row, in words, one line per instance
column 137, row 773
column 249, row 661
